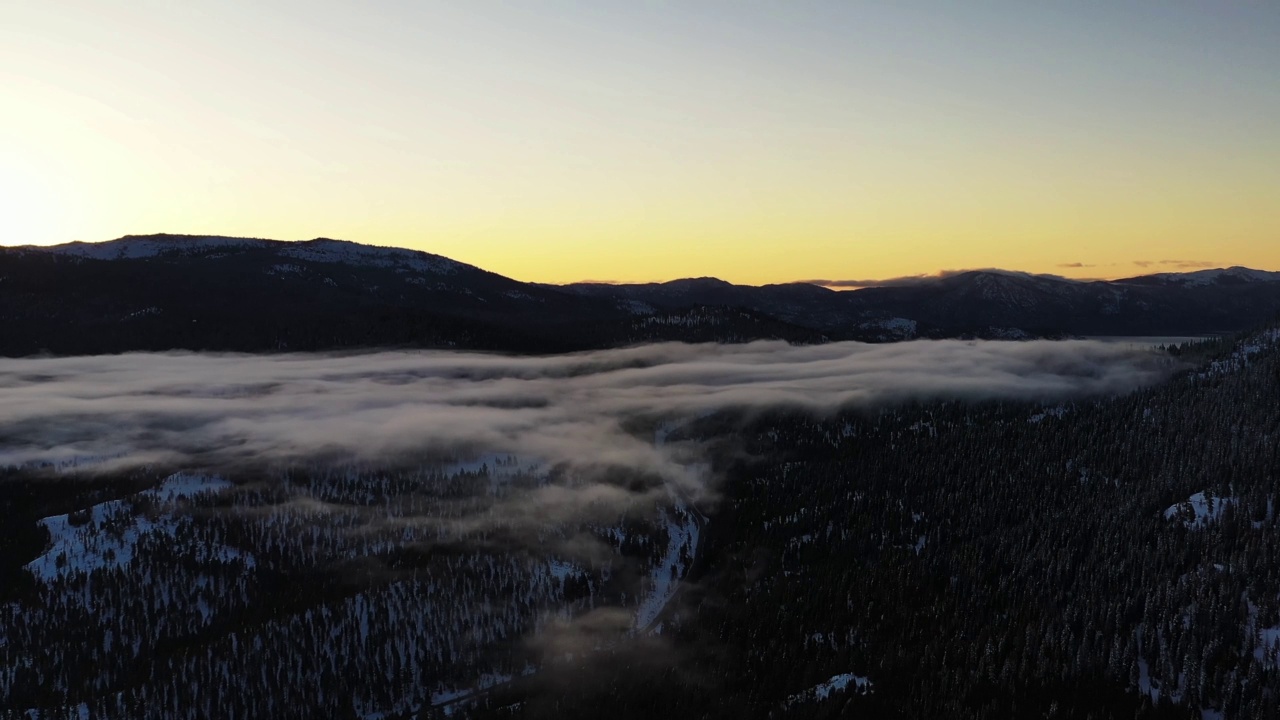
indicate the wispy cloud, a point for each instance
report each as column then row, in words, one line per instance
column 1178, row 264
column 1189, row 264
column 588, row 416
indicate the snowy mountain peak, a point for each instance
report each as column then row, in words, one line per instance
column 1235, row 275
column 996, row 276
column 351, row 253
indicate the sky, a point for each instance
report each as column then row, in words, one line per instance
column 567, row 140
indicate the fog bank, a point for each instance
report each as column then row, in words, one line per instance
column 211, row 410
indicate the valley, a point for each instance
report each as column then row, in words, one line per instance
column 897, row 557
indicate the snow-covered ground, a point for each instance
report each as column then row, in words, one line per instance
column 1267, row 649
column 1243, row 355
column 104, row 535
column 1152, row 689
column 837, row 683
column 1057, row 411
column 684, row 530
column 342, row 251
column 561, row 570
column 1199, row 509
column 320, row 250
column 1209, row 277
column 79, row 712
column 451, row 699
column 485, row 682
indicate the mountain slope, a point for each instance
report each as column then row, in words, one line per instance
column 163, row 292
column 1107, row 559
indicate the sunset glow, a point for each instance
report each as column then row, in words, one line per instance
column 561, row 141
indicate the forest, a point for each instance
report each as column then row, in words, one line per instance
column 1114, row 557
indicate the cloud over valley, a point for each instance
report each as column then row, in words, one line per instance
column 212, row 411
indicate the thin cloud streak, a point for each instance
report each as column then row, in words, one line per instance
column 1179, row 264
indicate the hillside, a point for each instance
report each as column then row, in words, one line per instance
column 165, row 292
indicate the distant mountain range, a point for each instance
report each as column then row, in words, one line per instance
column 991, row 303
column 163, row 292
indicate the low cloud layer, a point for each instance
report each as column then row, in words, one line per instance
column 212, row 411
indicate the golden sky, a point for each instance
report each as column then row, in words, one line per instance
column 569, row 140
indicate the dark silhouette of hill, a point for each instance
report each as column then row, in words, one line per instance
column 163, row 292
column 994, row 304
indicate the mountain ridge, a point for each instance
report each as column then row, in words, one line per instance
column 208, row 292
column 147, row 245
column 129, row 247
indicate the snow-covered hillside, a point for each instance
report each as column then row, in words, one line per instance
column 433, row 578
column 1218, row 275
column 320, row 250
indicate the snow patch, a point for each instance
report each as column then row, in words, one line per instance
column 664, row 579
column 1201, row 278
column 341, row 251
column 837, row 683
column 104, row 536
column 1058, row 412
column 1243, row 356
column 1199, row 509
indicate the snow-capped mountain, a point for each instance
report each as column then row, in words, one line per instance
column 321, row 250
column 1220, row 276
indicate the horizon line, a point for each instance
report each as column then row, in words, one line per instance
column 1179, row 267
